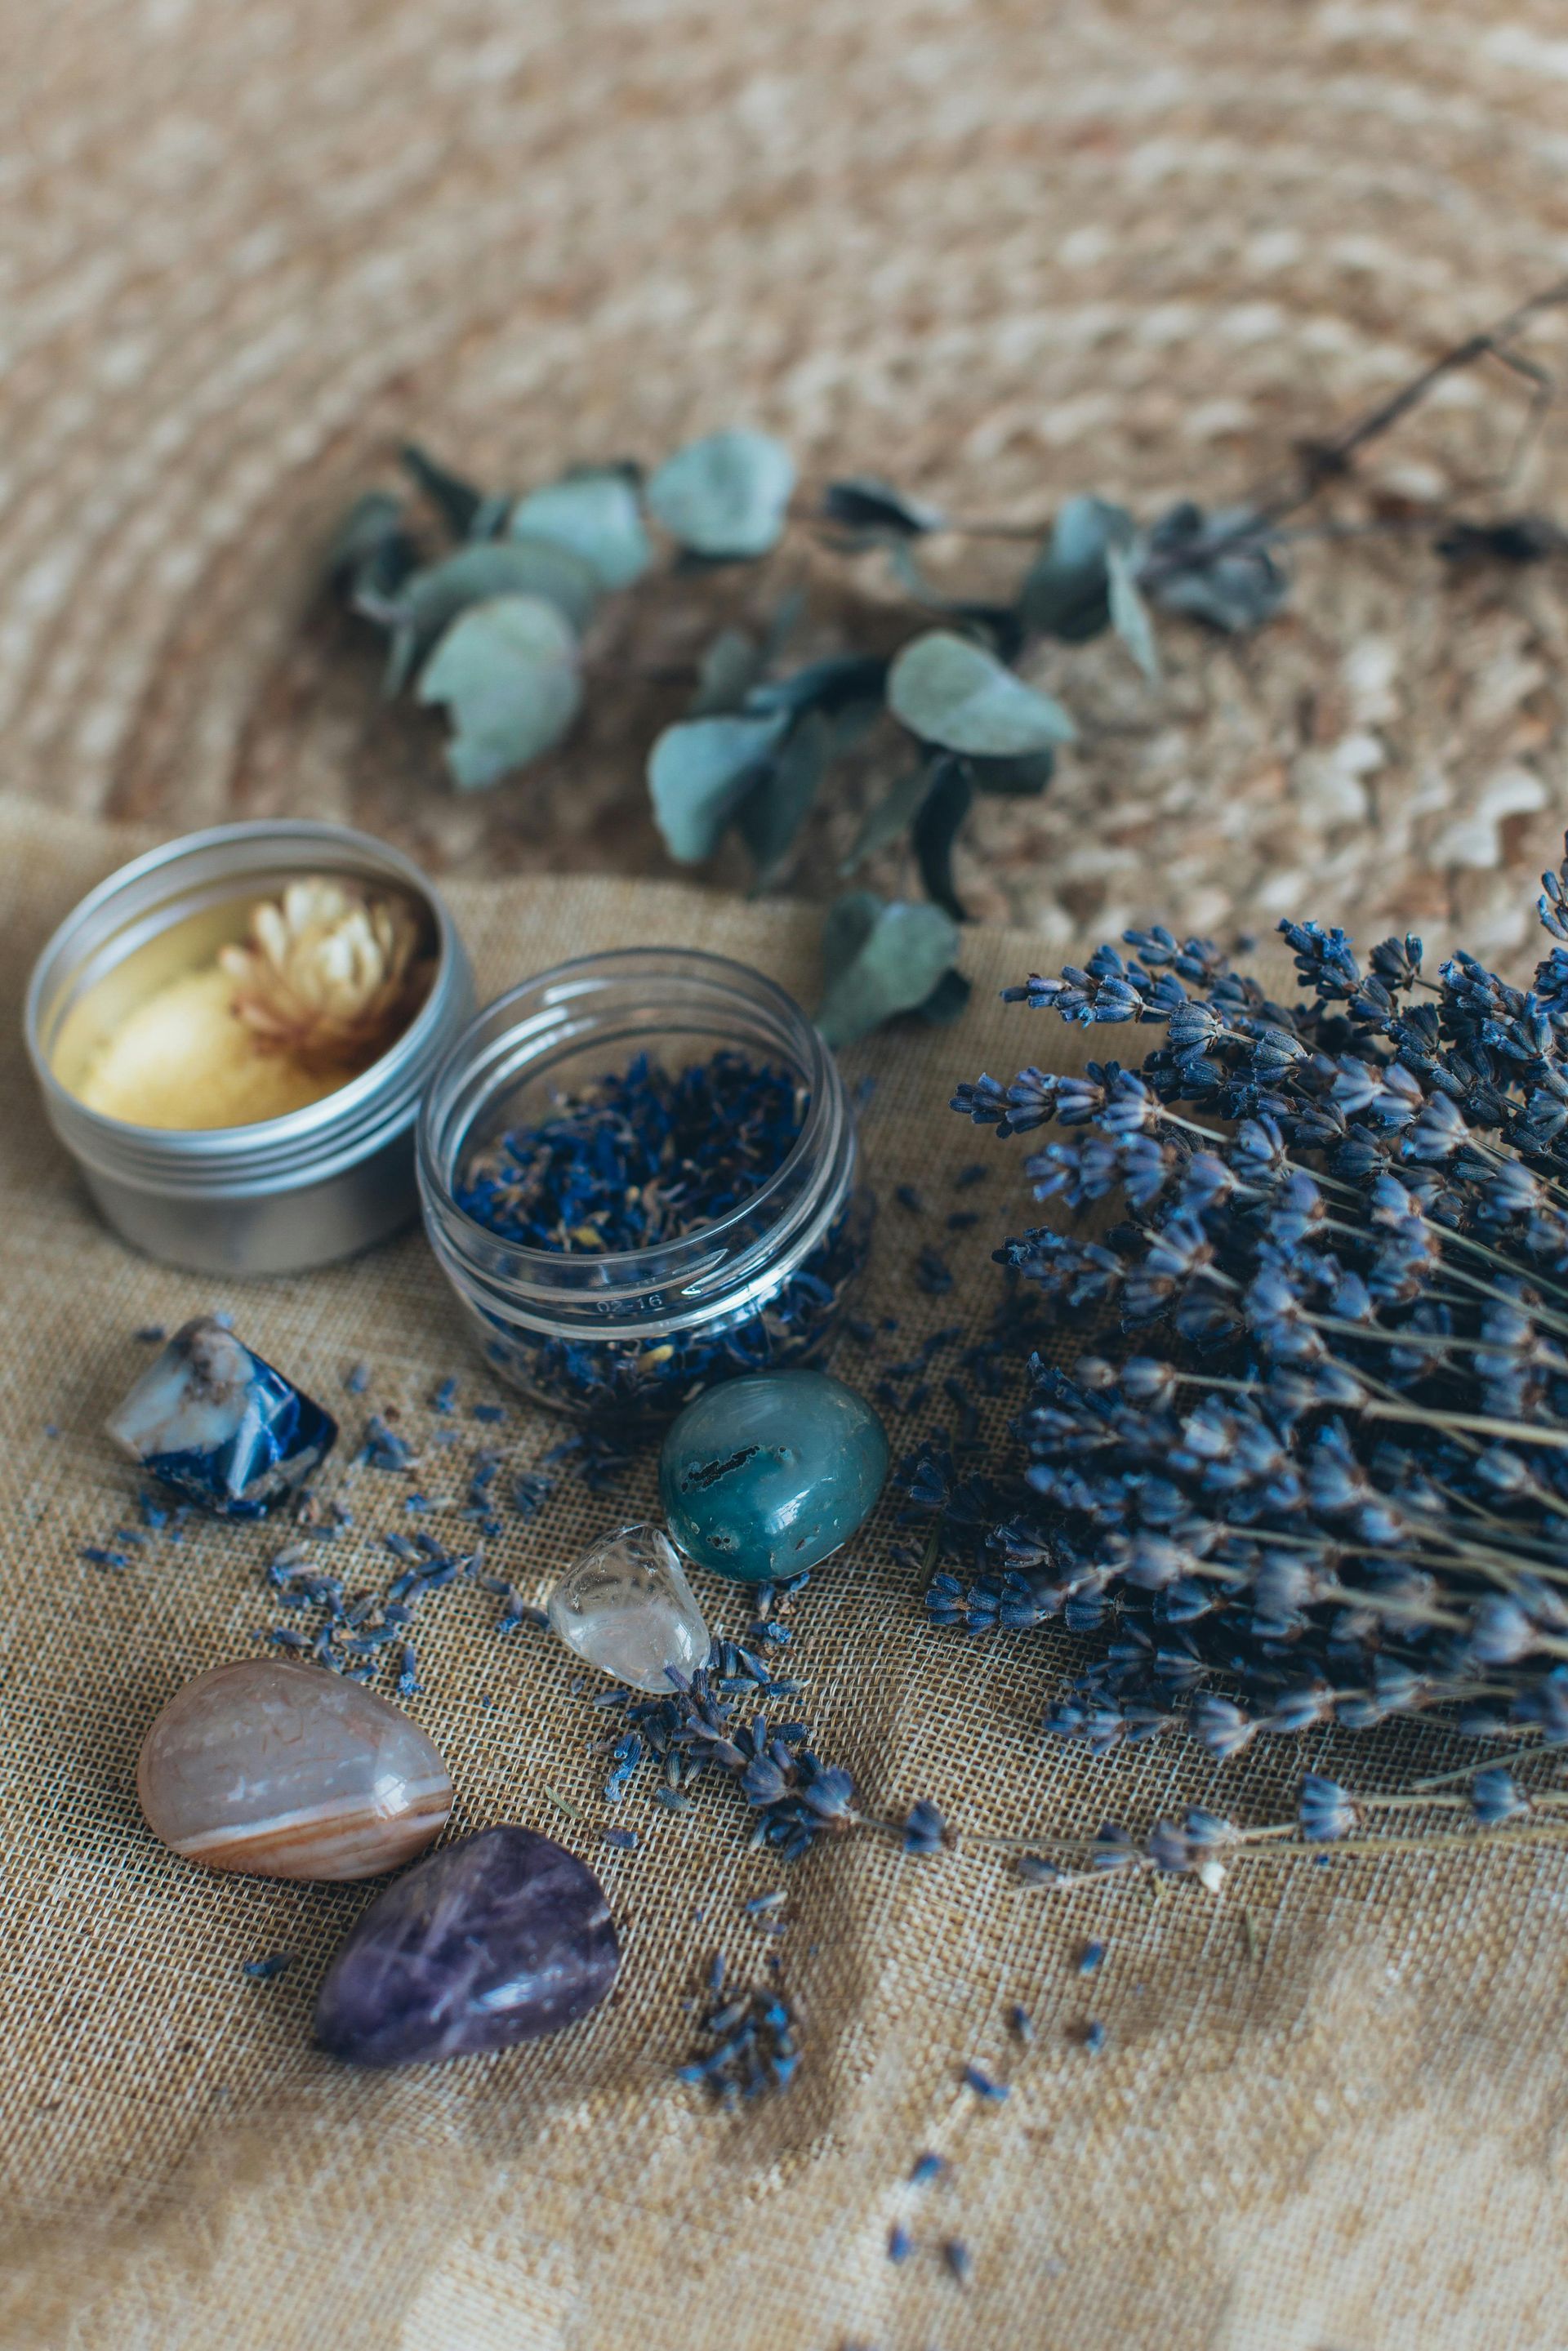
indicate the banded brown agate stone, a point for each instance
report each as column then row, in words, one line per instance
column 287, row 1771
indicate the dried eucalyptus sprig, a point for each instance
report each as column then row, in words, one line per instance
column 490, row 626
column 1332, row 1480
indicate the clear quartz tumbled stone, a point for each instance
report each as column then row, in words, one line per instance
column 626, row 1607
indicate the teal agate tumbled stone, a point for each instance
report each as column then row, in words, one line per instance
column 764, row 1476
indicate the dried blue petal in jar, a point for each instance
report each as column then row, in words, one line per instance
column 640, row 1173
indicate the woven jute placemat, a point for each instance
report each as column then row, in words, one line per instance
column 1002, row 252
column 1327, row 2113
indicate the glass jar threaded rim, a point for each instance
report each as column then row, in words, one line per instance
column 572, row 1024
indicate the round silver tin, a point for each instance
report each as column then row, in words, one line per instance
column 286, row 1193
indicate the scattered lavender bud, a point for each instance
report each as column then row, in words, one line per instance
column 530, row 1492
column 1496, row 1798
column 925, row 1829
column 753, row 2045
column 382, row 1448
column 932, row 1273
column 1325, row 1811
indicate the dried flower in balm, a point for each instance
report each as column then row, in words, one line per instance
column 326, row 979
column 330, row 977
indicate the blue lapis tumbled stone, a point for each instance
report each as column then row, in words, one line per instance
column 221, row 1426
column 764, row 1476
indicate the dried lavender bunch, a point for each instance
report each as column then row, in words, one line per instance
column 1333, row 1475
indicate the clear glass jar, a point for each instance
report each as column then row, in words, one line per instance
column 634, row 1334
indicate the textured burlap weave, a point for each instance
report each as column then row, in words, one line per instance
column 1328, row 2114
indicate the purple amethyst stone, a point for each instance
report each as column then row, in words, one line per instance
column 496, row 1938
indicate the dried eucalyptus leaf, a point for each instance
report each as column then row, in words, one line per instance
column 454, row 500
column 854, row 722
column 597, row 516
column 372, row 553
column 699, row 771
column 725, row 495
column 846, row 927
column 432, row 598
column 1130, row 614
column 892, row 816
column 490, row 520
column 1023, row 778
column 1222, row 567
column 506, row 671
column 949, row 691
column 937, row 827
column 948, row 999
column 781, row 799
column 880, row 960
column 865, row 503
column 785, row 618
column 729, row 668
column 830, row 684
column 1067, row 592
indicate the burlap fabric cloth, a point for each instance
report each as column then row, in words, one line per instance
column 1328, row 2114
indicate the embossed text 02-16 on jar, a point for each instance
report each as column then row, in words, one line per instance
column 640, row 1173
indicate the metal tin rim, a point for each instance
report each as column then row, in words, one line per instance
column 343, row 1126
